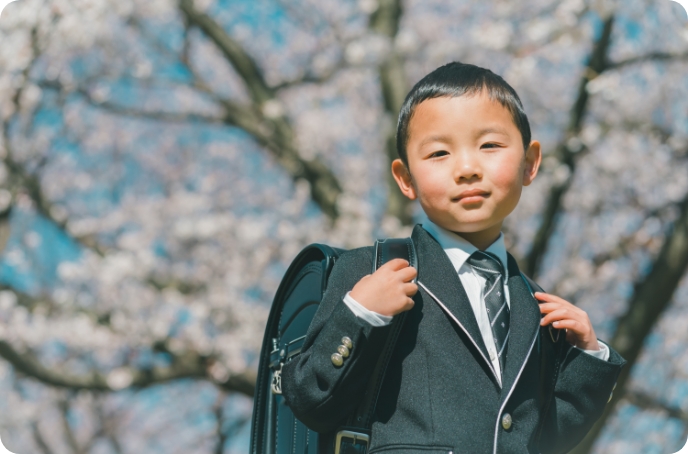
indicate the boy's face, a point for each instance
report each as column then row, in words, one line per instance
column 466, row 164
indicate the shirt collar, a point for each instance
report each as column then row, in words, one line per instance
column 458, row 249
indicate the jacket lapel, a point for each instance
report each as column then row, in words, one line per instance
column 436, row 275
column 524, row 325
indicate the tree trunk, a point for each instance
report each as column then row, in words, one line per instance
column 650, row 299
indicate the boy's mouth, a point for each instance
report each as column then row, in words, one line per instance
column 471, row 195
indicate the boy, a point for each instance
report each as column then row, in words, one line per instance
column 470, row 372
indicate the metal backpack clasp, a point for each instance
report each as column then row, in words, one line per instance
column 359, row 442
column 276, row 384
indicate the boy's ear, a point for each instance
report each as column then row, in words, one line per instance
column 532, row 164
column 403, row 178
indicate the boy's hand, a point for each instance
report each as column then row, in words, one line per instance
column 388, row 290
column 564, row 315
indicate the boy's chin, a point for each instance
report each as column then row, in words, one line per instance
column 470, row 227
column 480, row 233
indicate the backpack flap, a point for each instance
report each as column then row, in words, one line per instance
column 274, row 428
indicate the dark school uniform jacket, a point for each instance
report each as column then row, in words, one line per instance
column 440, row 393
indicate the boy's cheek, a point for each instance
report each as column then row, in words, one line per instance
column 431, row 195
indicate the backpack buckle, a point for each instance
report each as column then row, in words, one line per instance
column 350, row 442
column 551, row 334
column 276, row 384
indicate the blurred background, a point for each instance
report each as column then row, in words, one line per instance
column 162, row 161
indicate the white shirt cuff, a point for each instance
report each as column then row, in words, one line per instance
column 602, row 353
column 366, row 314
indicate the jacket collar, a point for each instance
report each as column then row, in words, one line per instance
column 437, row 276
column 524, row 326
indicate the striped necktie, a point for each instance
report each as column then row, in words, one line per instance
column 489, row 267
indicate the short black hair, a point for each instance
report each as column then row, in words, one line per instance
column 458, row 79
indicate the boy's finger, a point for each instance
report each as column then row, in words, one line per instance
column 410, row 289
column 549, row 298
column 548, row 319
column 541, row 296
column 409, row 304
column 568, row 323
column 546, row 308
column 395, row 265
column 571, row 311
column 559, row 314
column 408, row 273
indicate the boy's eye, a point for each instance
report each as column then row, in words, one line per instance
column 437, row 154
column 489, row 145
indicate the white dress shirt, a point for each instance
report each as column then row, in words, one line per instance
column 458, row 250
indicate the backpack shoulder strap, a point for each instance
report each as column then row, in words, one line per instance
column 534, row 287
column 549, row 351
column 394, row 248
column 356, row 434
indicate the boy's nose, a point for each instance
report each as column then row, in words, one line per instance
column 467, row 168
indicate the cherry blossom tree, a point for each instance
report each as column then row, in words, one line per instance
column 164, row 160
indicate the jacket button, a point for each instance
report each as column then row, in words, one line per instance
column 346, row 341
column 337, row 359
column 342, row 350
column 506, row 421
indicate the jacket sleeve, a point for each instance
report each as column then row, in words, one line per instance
column 319, row 393
column 583, row 388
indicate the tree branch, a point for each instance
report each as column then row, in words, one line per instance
column 63, row 406
column 21, row 178
column 12, row 184
column 106, row 430
column 219, row 423
column 169, row 117
column 648, row 402
column 272, row 130
column 118, row 109
column 651, row 297
column 38, row 438
column 31, row 184
column 312, row 78
column 597, row 63
column 394, row 86
column 188, row 365
column 242, row 62
column 307, row 17
column 653, row 56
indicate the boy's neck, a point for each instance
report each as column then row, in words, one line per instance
column 481, row 240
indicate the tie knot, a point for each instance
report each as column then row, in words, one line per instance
column 486, row 264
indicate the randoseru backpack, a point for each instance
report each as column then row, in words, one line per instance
column 274, row 428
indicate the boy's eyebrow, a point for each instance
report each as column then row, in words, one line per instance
column 439, row 138
column 490, row 130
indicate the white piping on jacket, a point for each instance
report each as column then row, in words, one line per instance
column 511, row 390
column 523, row 365
column 499, row 415
column 456, row 320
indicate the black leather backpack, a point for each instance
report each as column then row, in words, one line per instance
column 275, row 429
